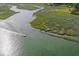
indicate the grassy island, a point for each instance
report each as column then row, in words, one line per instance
column 58, row 20
column 5, row 11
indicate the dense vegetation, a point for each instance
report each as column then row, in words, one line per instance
column 74, row 7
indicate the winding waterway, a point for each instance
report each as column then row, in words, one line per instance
column 17, row 37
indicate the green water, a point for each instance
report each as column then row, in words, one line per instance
column 41, row 44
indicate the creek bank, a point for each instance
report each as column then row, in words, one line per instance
column 5, row 12
column 66, row 37
column 60, row 21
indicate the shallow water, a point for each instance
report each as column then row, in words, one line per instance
column 17, row 37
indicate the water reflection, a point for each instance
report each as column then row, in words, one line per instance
column 5, row 42
column 9, row 41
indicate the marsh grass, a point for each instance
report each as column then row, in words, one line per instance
column 5, row 12
column 59, row 21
